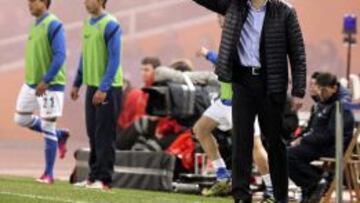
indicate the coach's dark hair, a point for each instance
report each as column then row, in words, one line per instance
column 47, row 2
column 315, row 74
column 326, row 80
column 154, row 61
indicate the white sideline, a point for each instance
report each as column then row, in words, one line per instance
column 40, row 197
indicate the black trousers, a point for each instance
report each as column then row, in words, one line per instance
column 101, row 130
column 251, row 99
column 301, row 171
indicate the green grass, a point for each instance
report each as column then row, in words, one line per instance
column 26, row 190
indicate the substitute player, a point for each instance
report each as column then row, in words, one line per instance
column 100, row 69
column 44, row 83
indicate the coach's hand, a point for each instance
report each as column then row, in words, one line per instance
column 99, row 97
column 74, row 93
column 41, row 89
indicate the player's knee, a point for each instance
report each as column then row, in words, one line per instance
column 48, row 125
column 196, row 129
column 257, row 142
column 256, row 154
column 23, row 120
column 200, row 131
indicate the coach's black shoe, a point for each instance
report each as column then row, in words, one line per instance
column 318, row 192
column 305, row 196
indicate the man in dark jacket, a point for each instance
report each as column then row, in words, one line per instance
column 257, row 38
column 319, row 139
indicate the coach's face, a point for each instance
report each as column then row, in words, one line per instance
column 36, row 7
column 326, row 92
column 313, row 88
column 93, row 6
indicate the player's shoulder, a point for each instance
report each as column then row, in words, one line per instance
column 55, row 22
column 112, row 23
column 112, row 19
column 54, row 18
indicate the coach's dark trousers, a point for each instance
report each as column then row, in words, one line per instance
column 101, row 130
column 301, row 171
column 251, row 99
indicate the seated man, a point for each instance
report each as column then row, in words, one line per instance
column 319, row 140
column 135, row 100
column 134, row 106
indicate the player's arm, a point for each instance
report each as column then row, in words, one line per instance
column 209, row 55
column 226, row 92
column 113, row 42
column 56, row 36
column 225, row 88
column 78, row 80
column 212, row 56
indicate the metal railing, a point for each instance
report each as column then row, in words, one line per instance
column 339, row 152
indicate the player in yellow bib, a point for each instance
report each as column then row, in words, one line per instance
column 100, row 70
column 44, row 83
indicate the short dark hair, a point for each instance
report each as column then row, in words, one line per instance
column 104, row 3
column 48, row 3
column 182, row 65
column 326, row 80
column 154, row 61
column 315, row 74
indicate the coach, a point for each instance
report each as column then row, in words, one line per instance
column 257, row 39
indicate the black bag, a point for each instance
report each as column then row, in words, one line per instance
column 137, row 170
column 141, row 129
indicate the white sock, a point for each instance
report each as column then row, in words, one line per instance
column 49, row 130
column 219, row 163
column 267, row 180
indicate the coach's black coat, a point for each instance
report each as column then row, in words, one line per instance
column 281, row 38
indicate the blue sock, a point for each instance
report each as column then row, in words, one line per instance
column 59, row 133
column 36, row 126
column 50, row 156
column 51, row 142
